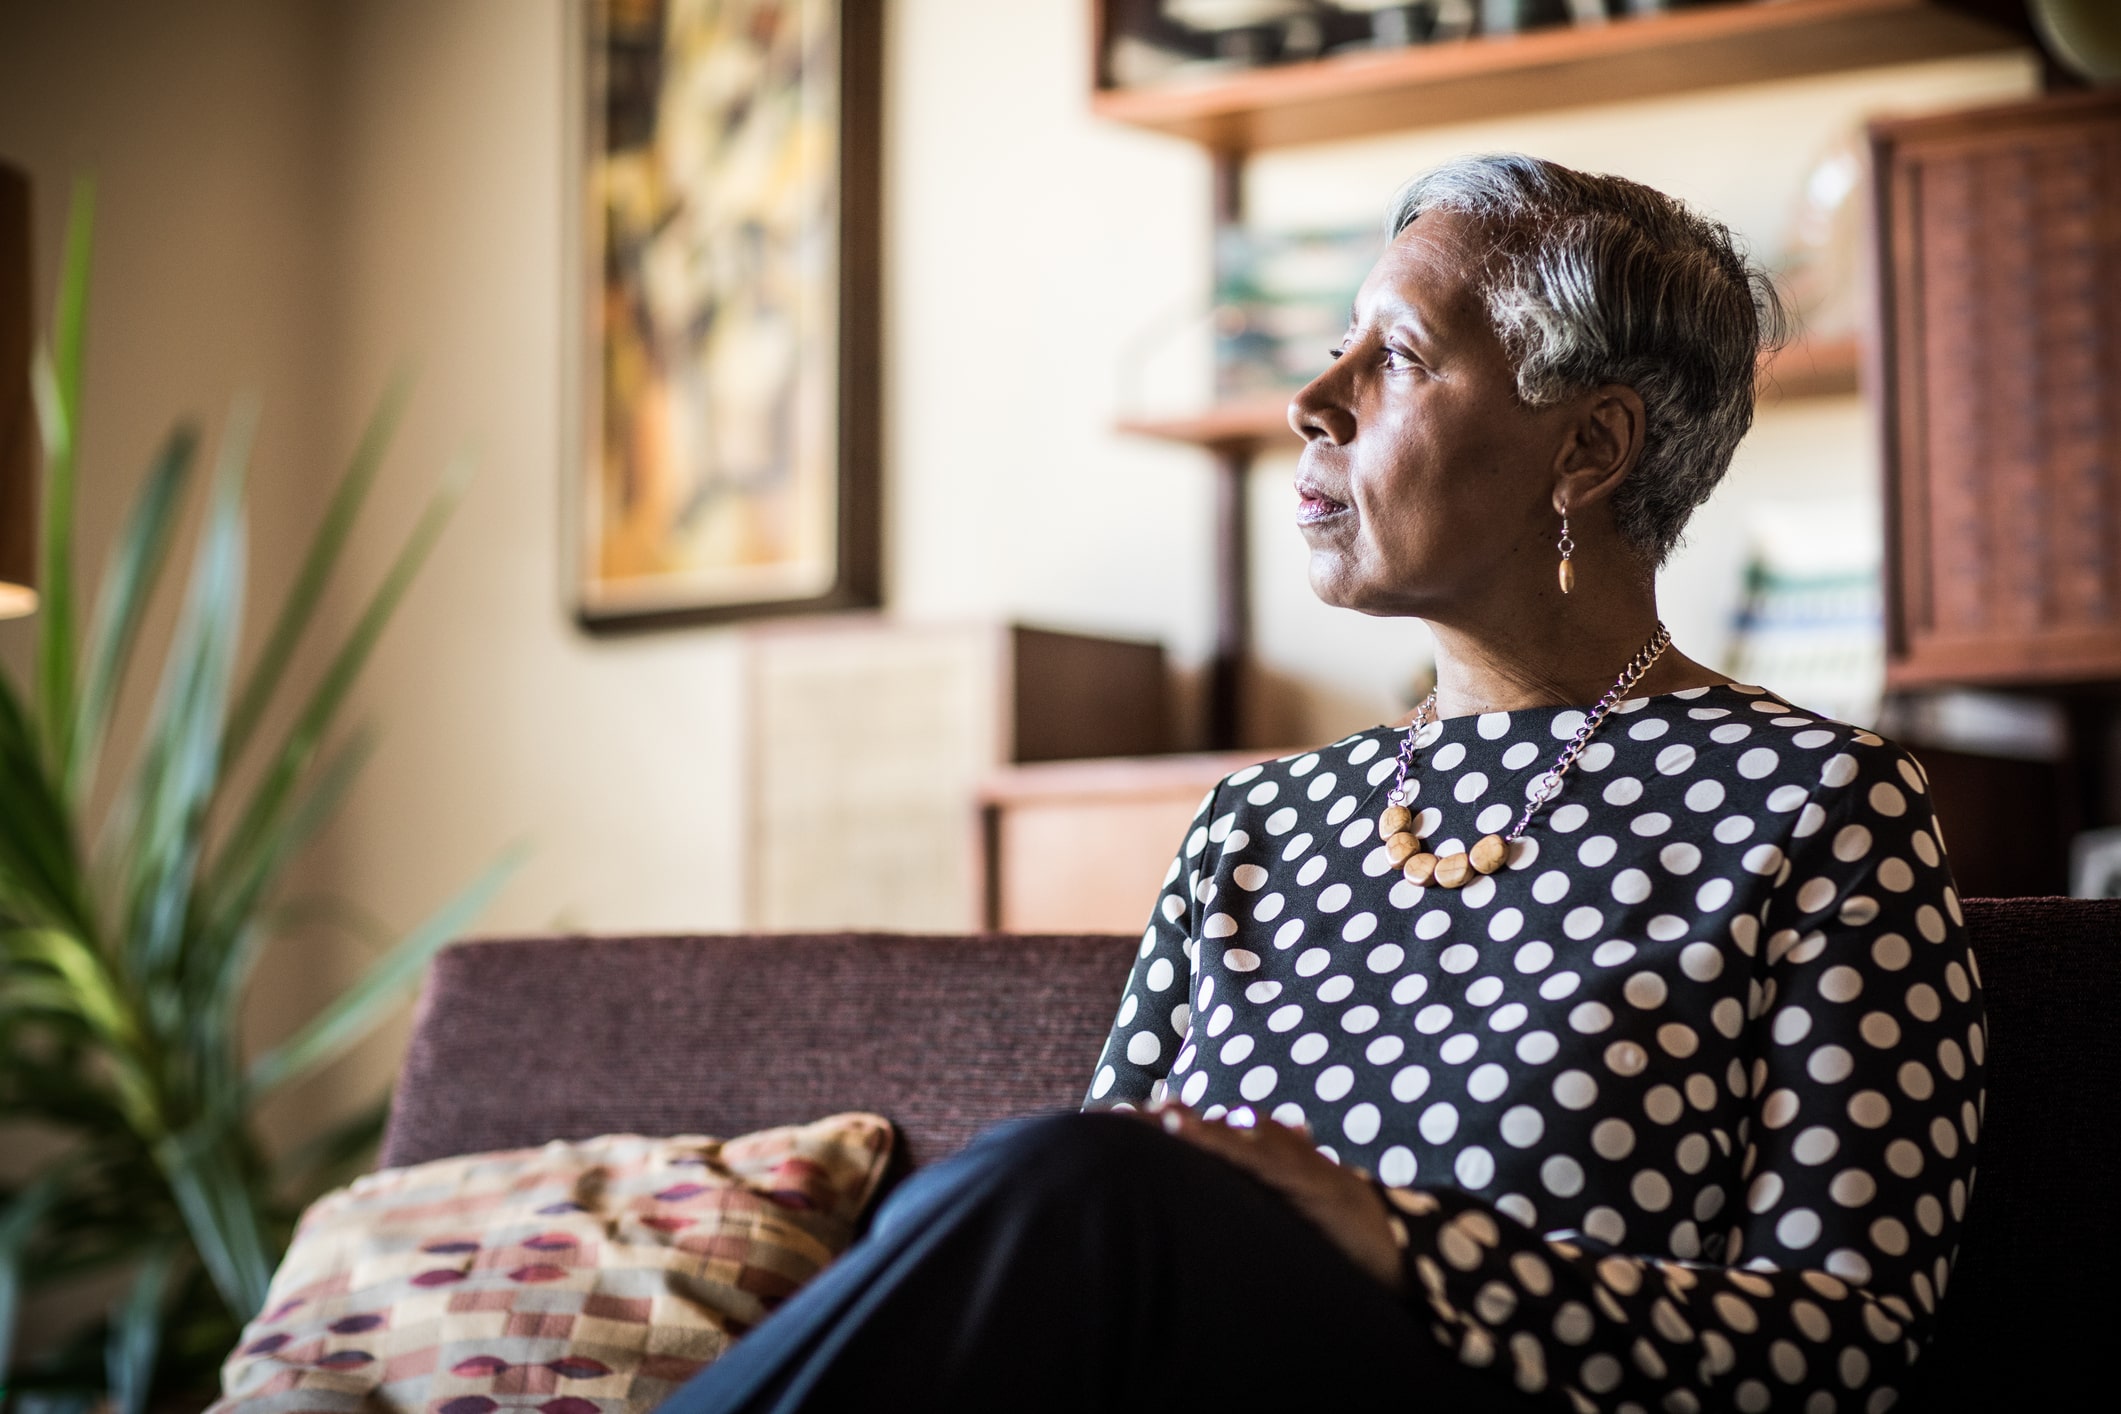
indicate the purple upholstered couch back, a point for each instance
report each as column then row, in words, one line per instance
column 525, row 1040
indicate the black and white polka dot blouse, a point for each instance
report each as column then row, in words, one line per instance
column 1679, row 1107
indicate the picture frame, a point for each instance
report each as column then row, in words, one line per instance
column 723, row 399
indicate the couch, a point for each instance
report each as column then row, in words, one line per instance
column 518, row 1041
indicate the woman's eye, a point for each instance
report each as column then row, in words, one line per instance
column 1336, row 352
column 1398, row 358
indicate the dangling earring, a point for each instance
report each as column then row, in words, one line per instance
column 1567, row 548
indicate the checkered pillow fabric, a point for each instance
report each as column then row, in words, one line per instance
column 584, row 1278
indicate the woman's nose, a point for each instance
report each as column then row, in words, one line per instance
column 1316, row 412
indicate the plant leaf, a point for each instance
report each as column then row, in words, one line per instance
column 40, row 874
column 135, row 1338
column 104, row 1005
column 18, row 1222
column 360, row 1007
column 332, row 911
column 97, row 999
column 57, row 386
column 261, row 815
column 121, row 603
column 181, row 762
column 228, row 941
column 241, row 883
column 220, row 1213
column 317, row 566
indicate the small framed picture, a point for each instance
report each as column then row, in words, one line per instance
column 725, row 390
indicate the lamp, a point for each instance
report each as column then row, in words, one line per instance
column 18, row 424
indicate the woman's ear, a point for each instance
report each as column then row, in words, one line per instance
column 1603, row 445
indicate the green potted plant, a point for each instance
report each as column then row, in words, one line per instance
column 127, row 940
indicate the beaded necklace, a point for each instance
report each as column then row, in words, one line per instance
column 1455, row 870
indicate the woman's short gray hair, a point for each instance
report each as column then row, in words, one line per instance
column 1593, row 280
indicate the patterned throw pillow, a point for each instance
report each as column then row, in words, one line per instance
column 585, row 1278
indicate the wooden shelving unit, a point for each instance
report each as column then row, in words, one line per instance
column 1232, row 115
column 1644, row 56
column 1807, row 369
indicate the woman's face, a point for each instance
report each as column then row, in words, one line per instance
column 1424, row 484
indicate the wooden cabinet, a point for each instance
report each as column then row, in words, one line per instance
column 2000, row 288
column 1081, row 846
column 869, row 740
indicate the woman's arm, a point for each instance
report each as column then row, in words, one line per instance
column 1857, row 1157
column 1154, row 1013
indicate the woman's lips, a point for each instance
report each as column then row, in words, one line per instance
column 1314, row 505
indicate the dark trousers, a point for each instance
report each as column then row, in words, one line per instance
column 1091, row 1262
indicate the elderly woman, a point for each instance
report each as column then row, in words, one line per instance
column 1606, row 1038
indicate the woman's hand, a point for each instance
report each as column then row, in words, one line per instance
column 1340, row 1203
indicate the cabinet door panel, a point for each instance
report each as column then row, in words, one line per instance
column 2000, row 280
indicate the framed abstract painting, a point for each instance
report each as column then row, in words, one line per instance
column 726, row 391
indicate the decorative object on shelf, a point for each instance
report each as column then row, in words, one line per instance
column 1279, row 305
column 1248, row 33
column 1223, row 16
column 1397, row 23
column 1811, row 617
column 18, row 425
column 1397, row 824
column 2083, row 35
column 1510, row 16
column 1281, row 302
column 131, row 918
column 1154, row 41
column 2000, row 289
column 729, row 389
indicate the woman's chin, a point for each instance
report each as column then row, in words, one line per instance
column 1335, row 583
column 1329, row 580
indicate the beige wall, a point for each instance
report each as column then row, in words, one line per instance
column 298, row 197
column 202, row 128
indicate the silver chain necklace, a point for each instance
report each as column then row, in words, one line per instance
column 1454, row 871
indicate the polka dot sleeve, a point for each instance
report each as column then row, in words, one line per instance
column 1153, row 1012
column 1865, row 1041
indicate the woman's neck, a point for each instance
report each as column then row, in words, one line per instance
column 1568, row 656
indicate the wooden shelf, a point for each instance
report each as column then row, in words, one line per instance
column 1357, row 95
column 1253, row 422
column 1809, row 369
